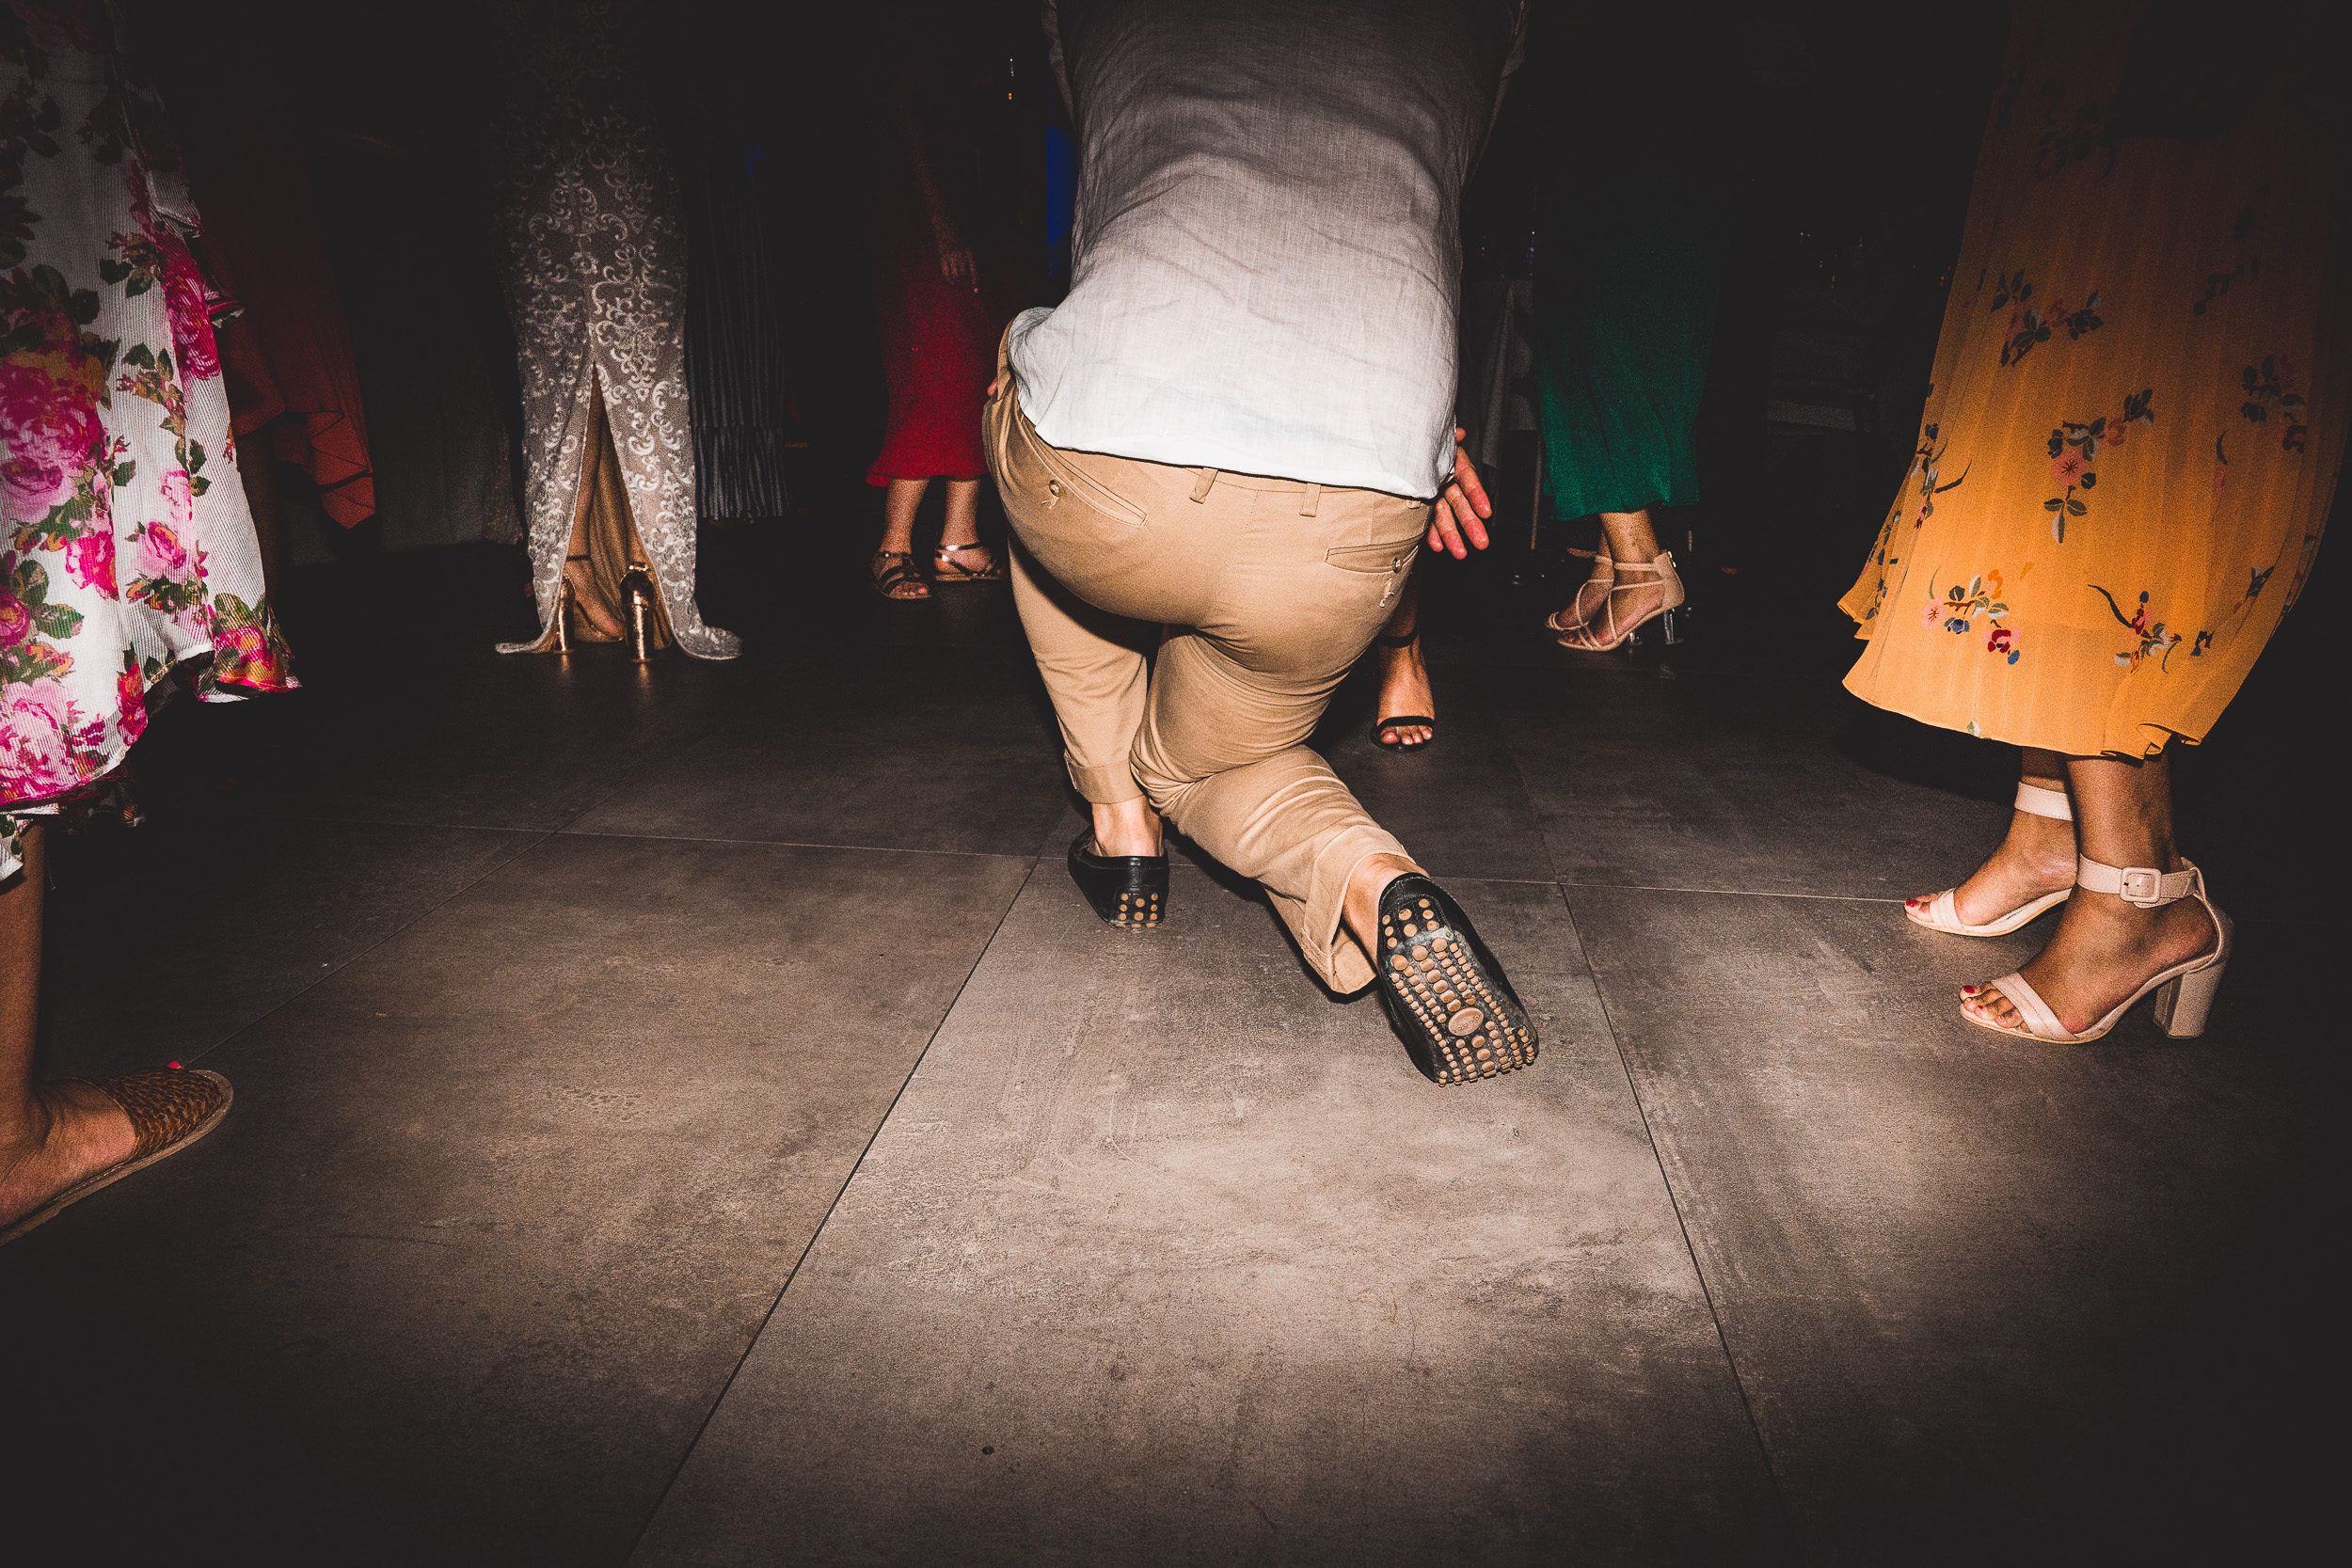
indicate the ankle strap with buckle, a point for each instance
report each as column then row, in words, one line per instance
column 2141, row 886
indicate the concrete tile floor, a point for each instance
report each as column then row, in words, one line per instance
column 687, row 1116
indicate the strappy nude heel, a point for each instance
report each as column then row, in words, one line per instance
column 2184, row 992
column 1939, row 912
column 1661, row 570
column 1604, row 573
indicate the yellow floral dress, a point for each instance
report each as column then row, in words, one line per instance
column 2141, row 390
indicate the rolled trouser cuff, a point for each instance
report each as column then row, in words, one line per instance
column 1104, row 786
column 1318, row 924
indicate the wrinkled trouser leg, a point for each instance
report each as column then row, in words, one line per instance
column 1269, row 590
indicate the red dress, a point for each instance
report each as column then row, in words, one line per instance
column 938, row 339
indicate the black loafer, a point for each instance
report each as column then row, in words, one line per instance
column 1444, row 993
column 1129, row 891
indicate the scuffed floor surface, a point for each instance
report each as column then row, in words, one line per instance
column 685, row 1116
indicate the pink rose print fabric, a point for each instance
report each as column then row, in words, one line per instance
column 126, row 546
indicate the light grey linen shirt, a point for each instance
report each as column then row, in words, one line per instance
column 1266, row 251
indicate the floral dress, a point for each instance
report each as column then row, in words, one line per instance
column 2140, row 392
column 125, row 544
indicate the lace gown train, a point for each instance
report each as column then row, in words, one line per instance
column 593, row 256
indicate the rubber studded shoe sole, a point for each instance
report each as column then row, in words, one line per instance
column 1128, row 891
column 1444, row 993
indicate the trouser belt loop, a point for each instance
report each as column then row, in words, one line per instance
column 1200, row 490
column 1311, row 500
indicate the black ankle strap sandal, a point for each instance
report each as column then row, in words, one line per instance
column 1420, row 720
column 1129, row 891
column 1443, row 991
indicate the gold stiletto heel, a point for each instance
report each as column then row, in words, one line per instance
column 567, row 606
column 639, row 587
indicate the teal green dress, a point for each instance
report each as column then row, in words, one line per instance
column 1631, row 239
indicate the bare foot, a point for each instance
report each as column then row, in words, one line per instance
column 74, row 1131
column 585, row 599
column 2037, row 857
column 1590, row 594
column 2103, row 951
column 1405, row 688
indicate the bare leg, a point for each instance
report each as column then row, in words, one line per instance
column 2104, row 948
column 1403, row 676
column 963, row 525
column 1633, row 539
column 900, row 504
column 52, row 1135
column 2037, row 856
column 1127, row 828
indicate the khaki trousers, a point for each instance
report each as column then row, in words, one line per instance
column 1260, row 595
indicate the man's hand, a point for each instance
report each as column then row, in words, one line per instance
column 1459, row 514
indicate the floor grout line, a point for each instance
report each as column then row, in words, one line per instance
column 800, row 844
column 857, row 1165
column 1658, row 1157
column 1737, row 891
column 1698, row 1270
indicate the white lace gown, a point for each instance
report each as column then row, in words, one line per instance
column 593, row 256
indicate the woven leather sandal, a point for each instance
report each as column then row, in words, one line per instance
column 1939, row 914
column 1444, row 995
column 2184, row 992
column 894, row 573
column 169, row 1109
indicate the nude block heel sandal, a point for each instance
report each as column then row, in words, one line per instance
column 1938, row 913
column 2184, row 992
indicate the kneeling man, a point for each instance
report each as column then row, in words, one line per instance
column 1231, row 438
